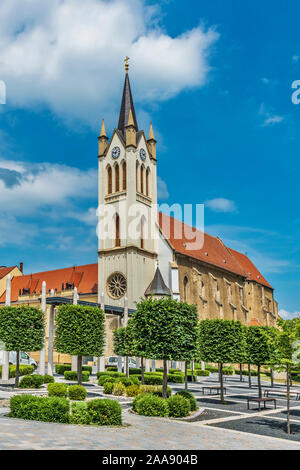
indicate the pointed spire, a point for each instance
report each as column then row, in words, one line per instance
column 157, row 287
column 103, row 130
column 126, row 106
column 151, row 133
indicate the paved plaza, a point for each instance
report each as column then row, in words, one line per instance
column 229, row 426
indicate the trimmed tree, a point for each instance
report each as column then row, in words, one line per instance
column 165, row 329
column 221, row 341
column 124, row 342
column 259, row 350
column 21, row 329
column 275, row 355
column 80, row 331
column 289, row 347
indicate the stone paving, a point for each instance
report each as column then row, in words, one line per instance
column 229, row 426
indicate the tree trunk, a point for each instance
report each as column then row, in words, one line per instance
column 79, row 370
column 192, row 369
column 185, row 376
column 17, row 369
column 126, row 366
column 272, row 377
column 249, row 376
column 241, row 375
column 288, row 425
column 259, row 382
column 165, row 379
column 142, row 371
column 221, row 383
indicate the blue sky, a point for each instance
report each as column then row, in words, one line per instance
column 214, row 78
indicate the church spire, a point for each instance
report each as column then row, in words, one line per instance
column 126, row 105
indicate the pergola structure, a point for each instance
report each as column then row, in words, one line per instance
column 109, row 309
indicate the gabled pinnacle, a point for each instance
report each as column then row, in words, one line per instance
column 157, row 286
column 151, row 133
column 130, row 119
column 126, row 106
column 103, row 131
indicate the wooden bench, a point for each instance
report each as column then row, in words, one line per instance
column 284, row 392
column 215, row 387
column 263, row 400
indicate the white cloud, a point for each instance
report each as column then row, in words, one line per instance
column 162, row 189
column 68, row 54
column 295, row 58
column 287, row 315
column 221, row 205
column 269, row 118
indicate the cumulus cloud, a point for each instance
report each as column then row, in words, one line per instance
column 67, row 55
column 288, row 315
column 269, row 119
column 221, row 205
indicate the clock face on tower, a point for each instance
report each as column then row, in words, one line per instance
column 115, row 152
column 143, row 154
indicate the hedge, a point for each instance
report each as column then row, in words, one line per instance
column 50, row 409
column 72, row 375
column 175, row 378
column 119, row 389
column 48, row 379
column 79, row 413
column 24, row 370
column 105, row 412
column 202, row 373
column 103, row 379
column 108, row 388
column 57, row 390
column 77, row 392
column 62, row 368
column 151, row 405
column 178, row 406
column 190, row 397
column 111, row 374
column 132, row 390
column 153, row 379
column 32, row 381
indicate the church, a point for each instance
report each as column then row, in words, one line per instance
column 143, row 252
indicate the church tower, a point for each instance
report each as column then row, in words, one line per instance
column 127, row 213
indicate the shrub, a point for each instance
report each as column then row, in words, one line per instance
column 112, row 368
column 147, row 388
column 135, row 371
column 80, row 414
column 153, row 379
column 175, row 371
column 119, row 389
column 24, row 370
column 136, row 401
column 105, row 378
column 158, row 391
column 62, row 368
column 48, row 379
column 190, row 397
column 51, row 409
column 32, row 381
column 227, row 371
column 132, row 390
column 175, row 378
column 87, row 369
column 189, row 376
column 178, row 406
column 152, row 405
column 72, row 375
column 108, row 387
column 111, row 374
column 77, row 392
column 211, row 368
column 202, row 373
column 125, row 381
column 105, row 412
column 57, row 390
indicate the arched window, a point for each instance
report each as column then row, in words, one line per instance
column 137, row 176
column 185, row 289
column 142, row 179
column 109, row 180
column 147, row 182
column 142, row 232
column 117, row 238
column 124, row 176
column 117, row 179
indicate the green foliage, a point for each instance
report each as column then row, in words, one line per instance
column 227, row 371
column 123, row 341
column 62, row 368
column 48, row 379
column 79, row 330
column 112, row 369
column 190, row 397
column 135, row 371
column 87, row 369
column 57, row 390
column 22, row 328
column 211, row 369
column 158, row 390
column 24, row 370
column 151, row 405
column 179, row 406
column 108, row 387
column 153, row 379
column 80, row 414
column 50, row 409
column 259, row 347
column 105, row 412
column 165, row 329
column 111, row 374
column 32, row 381
column 138, row 398
column 125, row 381
column 175, row 378
column 202, row 373
column 119, row 389
column 288, row 335
column 221, row 341
column 73, row 375
column 77, row 392
column 106, row 378
column 132, row 390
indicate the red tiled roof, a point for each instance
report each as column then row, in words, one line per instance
column 5, row 271
column 213, row 251
column 252, row 273
column 85, row 278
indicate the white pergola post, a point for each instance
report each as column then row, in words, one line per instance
column 202, row 365
column 43, row 351
column 147, row 365
column 125, row 323
column 120, row 359
column 100, row 361
column 153, row 365
column 50, row 369
column 75, row 358
column 138, row 362
column 5, row 364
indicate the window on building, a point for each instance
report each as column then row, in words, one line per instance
column 142, row 232
column 142, row 179
column 124, row 176
column 137, row 176
column 147, row 182
column 185, row 289
column 117, row 178
column 109, row 180
column 117, row 238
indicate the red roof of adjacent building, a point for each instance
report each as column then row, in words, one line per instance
column 252, row 273
column 4, row 271
column 85, row 278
